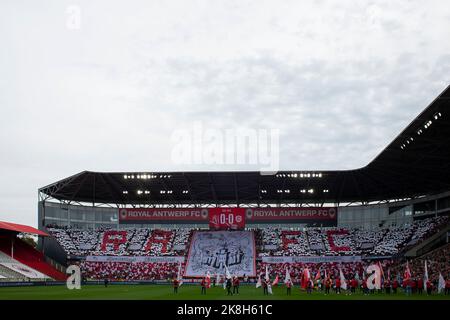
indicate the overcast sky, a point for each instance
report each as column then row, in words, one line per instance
column 102, row 85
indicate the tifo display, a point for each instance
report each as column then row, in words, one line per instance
column 144, row 254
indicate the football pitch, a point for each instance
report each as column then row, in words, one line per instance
column 186, row 292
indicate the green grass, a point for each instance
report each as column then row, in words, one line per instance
column 186, row 292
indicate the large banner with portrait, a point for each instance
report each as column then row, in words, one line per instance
column 215, row 251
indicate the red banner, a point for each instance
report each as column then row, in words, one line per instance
column 255, row 215
column 163, row 214
column 227, row 218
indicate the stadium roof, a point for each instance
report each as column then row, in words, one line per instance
column 416, row 163
column 20, row 228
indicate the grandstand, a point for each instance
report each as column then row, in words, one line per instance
column 95, row 250
column 19, row 261
column 152, row 226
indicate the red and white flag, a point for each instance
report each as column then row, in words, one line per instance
column 287, row 277
column 259, row 282
column 343, row 281
column 381, row 270
column 407, row 274
column 306, row 277
column 208, row 280
column 425, row 276
column 275, row 282
column 227, row 276
column 441, row 284
column 318, row 276
column 218, row 279
column 227, row 273
column 179, row 276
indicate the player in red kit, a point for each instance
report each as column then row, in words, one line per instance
column 353, row 285
column 203, row 285
column 447, row 287
column 413, row 285
column 420, row 286
column 429, row 287
column 288, row 287
column 176, row 284
column 387, row 286
column 395, row 286
column 328, row 283
column 364, row 287
column 236, row 285
column 338, row 285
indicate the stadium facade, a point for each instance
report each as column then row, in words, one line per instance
column 409, row 179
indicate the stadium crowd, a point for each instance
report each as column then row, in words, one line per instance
column 438, row 262
column 350, row 269
column 321, row 275
column 348, row 242
column 128, row 271
column 408, row 277
column 270, row 241
column 124, row 242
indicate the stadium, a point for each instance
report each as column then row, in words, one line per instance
column 247, row 235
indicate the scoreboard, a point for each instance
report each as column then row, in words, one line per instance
column 227, row 218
